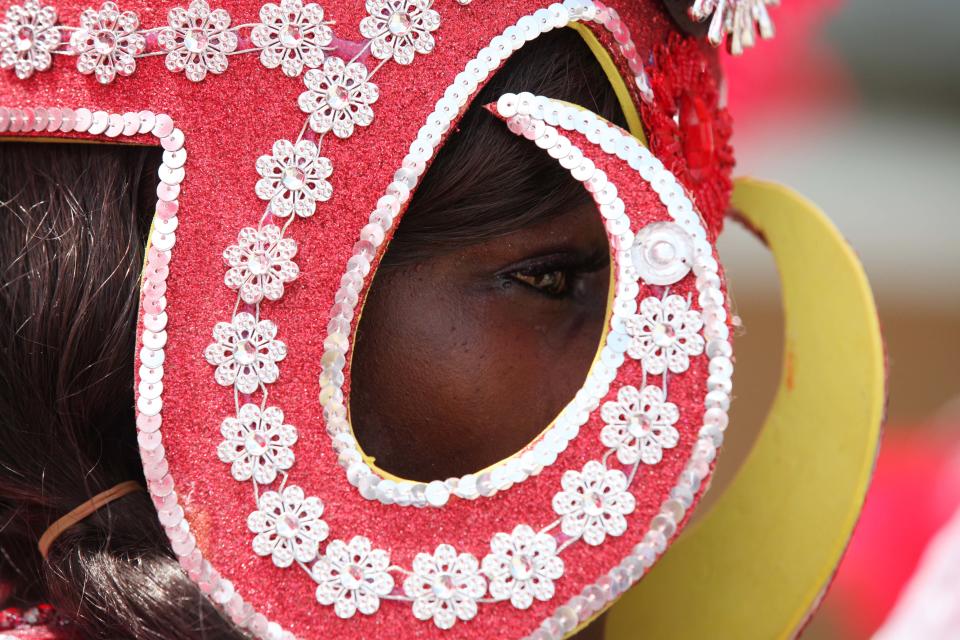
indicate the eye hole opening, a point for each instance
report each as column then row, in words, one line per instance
column 461, row 361
column 490, row 304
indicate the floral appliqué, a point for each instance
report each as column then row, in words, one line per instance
column 294, row 178
column 639, row 425
column 261, row 263
column 593, row 503
column 245, row 353
column 257, row 444
column 445, row 586
column 522, row 566
column 292, row 36
column 352, row 576
column 288, row 526
column 400, row 29
column 665, row 334
column 338, row 97
column 107, row 42
column 28, row 36
column 198, row 40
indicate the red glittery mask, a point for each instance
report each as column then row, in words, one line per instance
column 294, row 137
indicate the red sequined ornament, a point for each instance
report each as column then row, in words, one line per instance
column 688, row 130
column 9, row 618
column 14, row 617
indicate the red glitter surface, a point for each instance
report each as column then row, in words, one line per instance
column 687, row 128
column 229, row 121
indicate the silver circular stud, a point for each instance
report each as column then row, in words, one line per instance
column 662, row 253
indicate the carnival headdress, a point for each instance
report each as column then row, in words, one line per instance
column 293, row 137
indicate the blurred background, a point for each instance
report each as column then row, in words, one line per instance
column 857, row 105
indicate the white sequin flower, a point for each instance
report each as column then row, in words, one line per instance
column 260, row 263
column 27, row 38
column 400, row 29
column 288, row 526
column 338, row 97
column 294, row 178
column 665, row 334
column 639, row 424
column 107, row 42
column 593, row 503
column 257, row 444
column 245, row 353
column 737, row 18
column 445, row 586
column 291, row 36
column 522, row 566
column 352, row 577
column 198, row 40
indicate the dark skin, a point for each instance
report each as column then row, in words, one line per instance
column 464, row 357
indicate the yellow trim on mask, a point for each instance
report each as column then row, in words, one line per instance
column 758, row 563
column 634, row 123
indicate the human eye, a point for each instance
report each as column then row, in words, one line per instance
column 554, row 276
column 554, row 283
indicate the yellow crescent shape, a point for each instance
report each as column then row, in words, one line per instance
column 758, row 563
column 616, row 80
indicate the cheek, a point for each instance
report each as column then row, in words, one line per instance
column 540, row 351
column 447, row 382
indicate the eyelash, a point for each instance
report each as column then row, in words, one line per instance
column 567, row 269
column 540, row 281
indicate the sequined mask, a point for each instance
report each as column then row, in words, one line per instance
column 266, row 115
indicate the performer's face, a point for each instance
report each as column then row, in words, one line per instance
column 462, row 358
